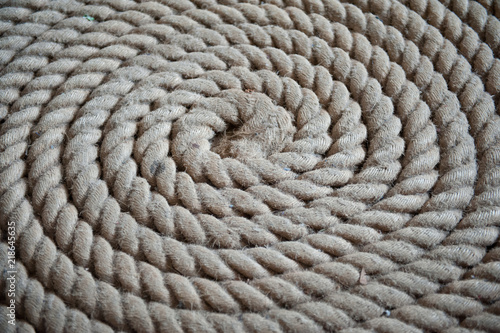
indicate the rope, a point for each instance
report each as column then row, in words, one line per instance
column 253, row 166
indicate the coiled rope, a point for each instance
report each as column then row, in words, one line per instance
column 251, row 166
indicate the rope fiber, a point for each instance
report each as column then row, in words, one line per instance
column 250, row 166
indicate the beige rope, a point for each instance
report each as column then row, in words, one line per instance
column 263, row 166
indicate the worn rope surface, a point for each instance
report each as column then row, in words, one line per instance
column 251, row 166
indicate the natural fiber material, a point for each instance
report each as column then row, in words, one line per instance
column 251, row 166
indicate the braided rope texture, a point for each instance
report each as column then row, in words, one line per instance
column 251, row 166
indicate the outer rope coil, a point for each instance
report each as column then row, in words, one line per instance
column 274, row 166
